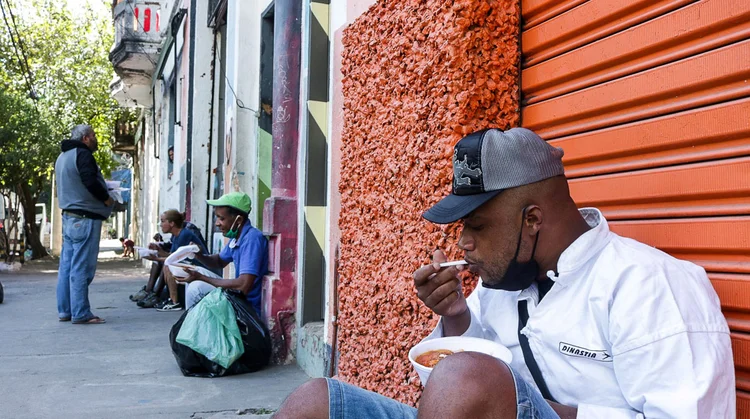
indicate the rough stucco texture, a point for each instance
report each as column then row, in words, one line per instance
column 417, row 77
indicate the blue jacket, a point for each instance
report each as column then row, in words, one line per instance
column 80, row 185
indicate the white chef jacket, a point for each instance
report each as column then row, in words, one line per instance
column 627, row 331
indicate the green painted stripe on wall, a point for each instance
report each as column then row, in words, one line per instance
column 264, row 174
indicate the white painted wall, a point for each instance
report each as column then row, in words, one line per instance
column 171, row 190
column 159, row 192
column 201, row 114
column 231, row 82
column 243, row 83
column 338, row 19
column 147, row 210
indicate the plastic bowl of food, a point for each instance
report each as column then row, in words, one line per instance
column 180, row 270
column 113, row 184
column 432, row 351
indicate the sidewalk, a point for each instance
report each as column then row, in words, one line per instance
column 121, row 369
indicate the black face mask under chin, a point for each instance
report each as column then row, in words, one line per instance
column 519, row 275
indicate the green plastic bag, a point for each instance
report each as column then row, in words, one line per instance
column 210, row 328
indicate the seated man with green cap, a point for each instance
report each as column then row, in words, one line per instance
column 247, row 248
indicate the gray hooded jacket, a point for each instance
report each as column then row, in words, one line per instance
column 80, row 185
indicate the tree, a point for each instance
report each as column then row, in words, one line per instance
column 23, row 139
column 70, row 72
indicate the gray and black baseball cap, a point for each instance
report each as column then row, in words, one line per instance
column 490, row 161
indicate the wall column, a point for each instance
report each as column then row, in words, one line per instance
column 280, row 210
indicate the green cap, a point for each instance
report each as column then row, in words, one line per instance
column 237, row 200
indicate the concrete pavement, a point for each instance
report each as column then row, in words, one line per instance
column 121, row 369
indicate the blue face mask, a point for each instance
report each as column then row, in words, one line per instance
column 233, row 232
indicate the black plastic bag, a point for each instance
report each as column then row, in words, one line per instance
column 255, row 338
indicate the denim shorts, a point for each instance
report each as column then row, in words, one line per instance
column 346, row 401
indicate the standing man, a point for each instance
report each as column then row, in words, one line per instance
column 85, row 202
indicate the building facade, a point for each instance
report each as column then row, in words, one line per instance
column 202, row 78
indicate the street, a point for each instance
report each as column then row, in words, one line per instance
column 121, row 369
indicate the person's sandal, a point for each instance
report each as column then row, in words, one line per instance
column 64, row 319
column 93, row 320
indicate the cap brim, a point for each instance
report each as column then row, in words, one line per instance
column 215, row 203
column 455, row 207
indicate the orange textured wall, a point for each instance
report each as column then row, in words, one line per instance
column 417, row 76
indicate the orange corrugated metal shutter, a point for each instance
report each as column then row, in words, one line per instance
column 651, row 101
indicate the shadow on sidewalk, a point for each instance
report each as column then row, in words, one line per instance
column 110, row 262
column 119, row 370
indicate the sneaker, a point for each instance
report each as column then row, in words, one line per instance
column 149, row 302
column 140, row 295
column 161, row 303
column 170, row 306
column 142, row 300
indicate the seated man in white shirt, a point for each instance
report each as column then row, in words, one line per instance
column 600, row 326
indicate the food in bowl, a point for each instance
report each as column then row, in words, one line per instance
column 430, row 358
column 455, row 344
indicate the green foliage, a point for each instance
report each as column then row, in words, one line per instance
column 23, row 141
column 67, row 50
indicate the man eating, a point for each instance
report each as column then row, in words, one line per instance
column 600, row 326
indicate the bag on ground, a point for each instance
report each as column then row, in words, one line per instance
column 210, row 329
column 253, row 334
